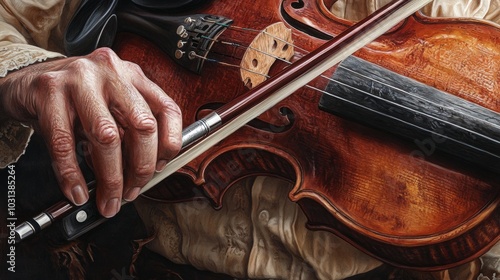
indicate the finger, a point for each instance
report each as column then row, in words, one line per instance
column 168, row 116
column 140, row 135
column 140, row 146
column 103, row 135
column 106, row 157
column 170, row 131
column 55, row 125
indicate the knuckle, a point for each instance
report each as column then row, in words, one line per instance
column 68, row 172
column 61, row 143
column 49, row 81
column 134, row 68
column 170, row 107
column 62, row 149
column 144, row 171
column 49, row 84
column 112, row 184
column 172, row 143
column 171, row 146
column 175, row 144
column 144, row 122
column 81, row 66
column 106, row 132
column 105, row 55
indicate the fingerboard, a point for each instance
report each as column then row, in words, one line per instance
column 432, row 119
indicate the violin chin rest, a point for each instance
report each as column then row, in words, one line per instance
column 94, row 25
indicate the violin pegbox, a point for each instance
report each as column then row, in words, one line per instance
column 273, row 43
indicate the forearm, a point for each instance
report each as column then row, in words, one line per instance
column 15, row 135
column 24, row 41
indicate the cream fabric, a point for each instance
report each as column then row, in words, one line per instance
column 479, row 9
column 258, row 233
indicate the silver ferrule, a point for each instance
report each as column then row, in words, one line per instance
column 24, row 230
column 43, row 220
column 27, row 228
column 200, row 128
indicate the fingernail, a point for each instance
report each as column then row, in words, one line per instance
column 132, row 194
column 161, row 165
column 79, row 195
column 111, row 208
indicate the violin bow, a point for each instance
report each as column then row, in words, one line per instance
column 206, row 132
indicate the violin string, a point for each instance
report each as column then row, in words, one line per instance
column 231, row 56
column 260, row 51
column 354, row 72
column 412, row 125
column 373, row 110
column 238, row 45
column 414, row 110
column 275, row 57
column 239, row 28
column 403, row 106
column 406, row 107
column 368, row 78
column 418, row 96
column 364, row 92
column 193, row 54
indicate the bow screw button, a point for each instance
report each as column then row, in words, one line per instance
column 81, row 216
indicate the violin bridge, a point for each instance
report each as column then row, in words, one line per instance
column 273, row 43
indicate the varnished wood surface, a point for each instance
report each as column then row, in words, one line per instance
column 360, row 183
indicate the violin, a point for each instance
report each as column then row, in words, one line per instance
column 404, row 202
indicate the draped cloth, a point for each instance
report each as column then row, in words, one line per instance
column 259, row 233
column 479, row 9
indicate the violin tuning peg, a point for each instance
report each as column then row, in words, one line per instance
column 179, row 54
column 189, row 20
column 181, row 44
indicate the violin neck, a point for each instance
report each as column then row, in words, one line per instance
column 431, row 119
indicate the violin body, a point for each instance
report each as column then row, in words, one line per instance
column 360, row 183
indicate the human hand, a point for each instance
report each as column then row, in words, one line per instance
column 131, row 127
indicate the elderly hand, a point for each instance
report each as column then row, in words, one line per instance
column 132, row 127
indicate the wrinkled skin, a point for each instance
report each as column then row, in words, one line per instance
column 128, row 124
